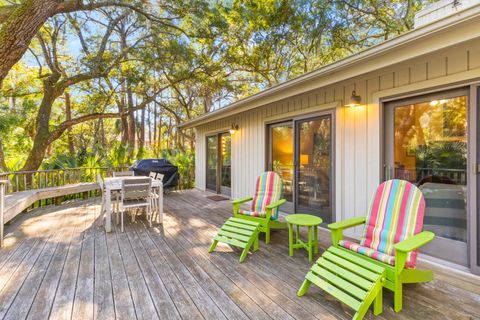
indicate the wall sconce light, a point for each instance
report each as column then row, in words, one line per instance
column 354, row 100
column 233, row 128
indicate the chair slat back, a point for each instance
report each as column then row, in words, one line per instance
column 396, row 213
column 268, row 190
column 156, row 176
column 123, row 174
column 139, row 188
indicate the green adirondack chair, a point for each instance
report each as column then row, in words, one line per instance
column 390, row 240
column 265, row 204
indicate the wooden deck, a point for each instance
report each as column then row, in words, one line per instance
column 59, row 263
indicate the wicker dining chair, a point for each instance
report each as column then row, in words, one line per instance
column 136, row 193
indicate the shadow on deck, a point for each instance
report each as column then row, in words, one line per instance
column 58, row 262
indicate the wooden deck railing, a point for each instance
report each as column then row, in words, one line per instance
column 28, row 180
column 40, row 179
column 2, row 206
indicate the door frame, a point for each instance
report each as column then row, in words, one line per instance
column 219, row 189
column 294, row 119
column 466, row 89
column 474, row 176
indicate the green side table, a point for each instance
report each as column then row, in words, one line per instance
column 303, row 220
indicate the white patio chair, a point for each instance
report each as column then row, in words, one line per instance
column 123, row 174
column 155, row 195
column 136, row 193
column 156, row 176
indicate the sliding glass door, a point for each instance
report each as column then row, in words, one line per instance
column 225, row 163
column 212, row 162
column 281, row 158
column 426, row 144
column 314, row 167
column 300, row 151
column 219, row 157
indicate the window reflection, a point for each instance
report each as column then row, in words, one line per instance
column 431, row 151
column 226, row 143
column 282, row 156
column 315, row 167
column 212, row 156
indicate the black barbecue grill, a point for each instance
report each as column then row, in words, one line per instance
column 170, row 172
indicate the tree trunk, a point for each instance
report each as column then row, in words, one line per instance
column 102, row 133
column 131, row 119
column 155, row 126
column 19, row 29
column 141, row 137
column 149, row 124
column 41, row 141
column 68, row 114
column 159, row 139
column 3, row 164
column 122, row 110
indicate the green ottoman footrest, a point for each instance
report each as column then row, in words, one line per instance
column 239, row 233
column 352, row 280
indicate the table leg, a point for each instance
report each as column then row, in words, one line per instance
column 160, row 205
column 297, row 234
column 290, row 239
column 309, row 245
column 315, row 229
column 108, row 210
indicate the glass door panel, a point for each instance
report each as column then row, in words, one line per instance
column 225, row 163
column 429, row 149
column 314, row 167
column 212, row 163
column 281, row 158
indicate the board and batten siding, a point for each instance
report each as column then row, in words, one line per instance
column 358, row 131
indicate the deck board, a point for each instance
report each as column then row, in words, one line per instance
column 59, row 263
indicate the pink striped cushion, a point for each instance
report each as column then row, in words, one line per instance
column 385, row 258
column 268, row 190
column 261, row 214
column 396, row 213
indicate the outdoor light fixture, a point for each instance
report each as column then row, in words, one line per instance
column 354, row 100
column 233, row 128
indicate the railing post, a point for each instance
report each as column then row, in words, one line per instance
column 2, row 208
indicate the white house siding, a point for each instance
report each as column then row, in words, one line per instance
column 358, row 131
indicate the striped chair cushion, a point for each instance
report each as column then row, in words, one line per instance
column 268, row 190
column 396, row 213
column 260, row 214
column 368, row 252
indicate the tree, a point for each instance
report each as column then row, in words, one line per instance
column 99, row 68
column 21, row 22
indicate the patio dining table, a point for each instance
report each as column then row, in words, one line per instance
column 115, row 184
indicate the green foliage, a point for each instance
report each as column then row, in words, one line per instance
column 185, row 161
column 196, row 56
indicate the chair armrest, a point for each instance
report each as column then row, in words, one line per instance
column 414, row 242
column 337, row 228
column 276, row 204
column 238, row 201
column 345, row 224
